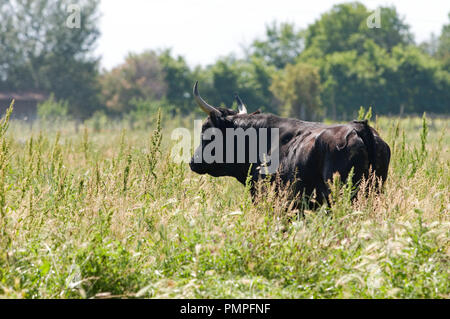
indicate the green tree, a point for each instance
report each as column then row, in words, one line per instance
column 40, row 52
column 250, row 78
column 141, row 76
column 443, row 50
column 351, row 80
column 378, row 67
column 298, row 87
column 179, row 80
column 431, row 45
column 420, row 82
column 281, row 45
column 344, row 28
column 225, row 76
column 403, row 81
column 340, row 83
column 393, row 31
column 149, row 76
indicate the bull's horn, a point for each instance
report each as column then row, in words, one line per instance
column 241, row 105
column 204, row 106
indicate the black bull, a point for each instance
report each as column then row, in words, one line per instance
column 309, row 153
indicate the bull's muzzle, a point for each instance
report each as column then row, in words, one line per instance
column 196, row 165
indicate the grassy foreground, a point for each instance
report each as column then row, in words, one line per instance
column 108, row 214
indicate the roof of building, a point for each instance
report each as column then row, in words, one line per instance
column 22, row 96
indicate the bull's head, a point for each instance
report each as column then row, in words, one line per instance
column 219, row 119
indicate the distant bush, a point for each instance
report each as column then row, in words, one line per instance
column 140, row 76
column 144, row 111
column 98, row 120
column 51, row 109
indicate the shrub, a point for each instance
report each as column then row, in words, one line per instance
column 52, row 109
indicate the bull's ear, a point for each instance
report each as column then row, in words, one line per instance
column 241, row 106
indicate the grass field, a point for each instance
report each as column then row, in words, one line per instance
column 105, row 213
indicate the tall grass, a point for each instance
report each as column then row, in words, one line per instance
column 106, row 213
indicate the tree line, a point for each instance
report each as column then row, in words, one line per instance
column 329, row 69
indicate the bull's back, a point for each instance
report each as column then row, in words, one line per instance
column 314, row 152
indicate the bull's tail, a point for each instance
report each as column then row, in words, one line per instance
column 364, row 131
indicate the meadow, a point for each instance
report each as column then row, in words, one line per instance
column 103, row 212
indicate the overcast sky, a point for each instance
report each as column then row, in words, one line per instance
column 203, row 30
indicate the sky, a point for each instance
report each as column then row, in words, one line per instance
column 204, row 30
